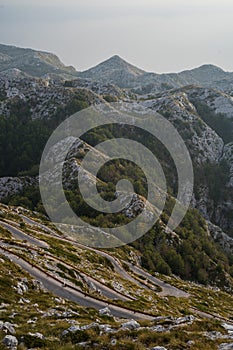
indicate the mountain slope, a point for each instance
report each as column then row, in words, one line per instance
column 32, row 62
column 196, row 251
column 49, row 277
column 114, row 70
column 121, row 73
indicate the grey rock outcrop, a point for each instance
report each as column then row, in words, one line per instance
column 10, row 186
column 226, row 346
column 220, row 237
column 10, row 342
column 203, row 142
column 7, row 327
column 131, row 325
column 105, row 312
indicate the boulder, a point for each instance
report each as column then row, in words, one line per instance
column 131, row 325
column 185, row 319
column 159, row 329
column 89, row 326
column 37, row 335
column 11, row 342
column 229, row 328
column 7, row 326
column 72, row 329
column 105, row 312
column 226, row 346
column 105, row 328
column 213, row 335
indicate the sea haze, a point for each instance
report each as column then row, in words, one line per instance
column 161, row 36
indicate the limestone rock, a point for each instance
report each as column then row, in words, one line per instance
column 10, row 342
column 226, row 346
column 131, row 325
column 105, row 312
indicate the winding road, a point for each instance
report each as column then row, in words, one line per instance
column 56, row 286
column 53, row 284
column 70, row 292
column 106, row 291
column 17, row 233
column 167, row 289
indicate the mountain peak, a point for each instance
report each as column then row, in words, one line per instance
column 210, row 67
column 116, row 58
column 116, row 62
column 206, row 73
column 115, row 69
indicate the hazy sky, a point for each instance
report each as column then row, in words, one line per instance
column 156, row 35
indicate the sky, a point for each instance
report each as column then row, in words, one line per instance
column 155, row 35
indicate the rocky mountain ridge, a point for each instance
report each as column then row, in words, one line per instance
column 32, row 62
column 119, row 72
column 34, row 99
column 114, row 70
column 45, row 98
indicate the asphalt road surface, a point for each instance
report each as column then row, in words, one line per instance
column 167, row 289
column 57, row 287
column 17, row 233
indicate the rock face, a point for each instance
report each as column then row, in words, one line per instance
column 217, row 101
column 41, row 98
column 114, row 70
column 222, row 238
column 103, row 89
column 203, row 142
column 14, row 185
column 206, row 147
column 26, row 78
column 228, row 157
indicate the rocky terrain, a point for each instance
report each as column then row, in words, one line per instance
column 123, row 74
column 56, row 293
column 92, row 311
column 32, row 62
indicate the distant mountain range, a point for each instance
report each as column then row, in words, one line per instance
column 114, row 70
column 117, row 71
